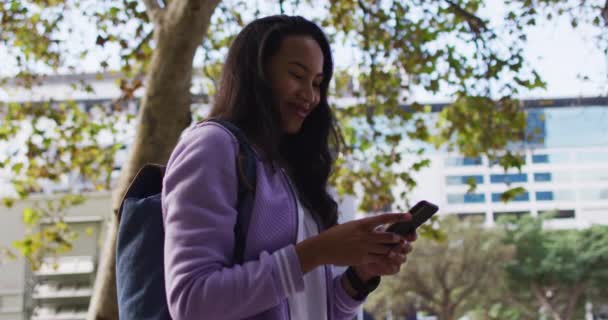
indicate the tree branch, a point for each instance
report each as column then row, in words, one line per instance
column 530, row 313
column 539, row 292
column 476, row 24
column 573, row 299
column 153, row 9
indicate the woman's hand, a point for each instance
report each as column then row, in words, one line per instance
column 355, row 243
column 390, row 264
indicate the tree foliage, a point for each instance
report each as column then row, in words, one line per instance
column 447, row 278
column 557, row 268
column 442, row 46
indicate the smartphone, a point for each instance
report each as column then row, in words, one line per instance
column 421, row 212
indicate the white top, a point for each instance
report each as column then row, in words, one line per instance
column 311, row 303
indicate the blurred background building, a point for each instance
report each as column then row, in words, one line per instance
column 565, row 173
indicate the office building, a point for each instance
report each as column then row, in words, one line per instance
column 565, row 173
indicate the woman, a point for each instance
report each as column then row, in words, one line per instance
column 274, row 88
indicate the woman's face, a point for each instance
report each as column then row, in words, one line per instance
column 296, row 73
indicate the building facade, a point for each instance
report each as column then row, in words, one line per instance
column 565, row 174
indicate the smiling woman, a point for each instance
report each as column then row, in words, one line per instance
column 274, row 89
column 296, row 73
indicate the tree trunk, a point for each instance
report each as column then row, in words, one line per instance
column 573, row 298
column 164, row 113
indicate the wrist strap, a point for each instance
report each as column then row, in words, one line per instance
column 363, row 288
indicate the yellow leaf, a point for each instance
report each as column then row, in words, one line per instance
column 30, row 216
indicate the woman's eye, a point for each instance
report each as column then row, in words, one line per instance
column 295, row 75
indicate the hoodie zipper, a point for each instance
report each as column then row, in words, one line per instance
column 287, row 182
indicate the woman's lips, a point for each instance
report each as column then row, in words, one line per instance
column 300, row 111
column 302, row 114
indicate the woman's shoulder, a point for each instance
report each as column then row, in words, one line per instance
column 211, row 134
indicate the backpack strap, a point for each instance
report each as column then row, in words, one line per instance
column 247, row 175
column 147, row 182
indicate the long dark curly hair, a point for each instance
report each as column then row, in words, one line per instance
column 245, row 98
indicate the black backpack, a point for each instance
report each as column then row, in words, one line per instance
column 139, row 249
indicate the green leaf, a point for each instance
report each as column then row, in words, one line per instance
column 17, row 167
column 512, row 194
column 8, row 202
column 30, row 216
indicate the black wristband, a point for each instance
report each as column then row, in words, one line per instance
column 362, row 288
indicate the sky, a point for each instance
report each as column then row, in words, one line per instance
column 558, row 52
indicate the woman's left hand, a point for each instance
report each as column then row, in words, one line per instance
column 391, row 265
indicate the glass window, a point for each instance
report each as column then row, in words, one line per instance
column 466, row 198
column 594, row 175
column 459, row 180
column 557, row 214
column 594, row 194
column 496, row 197
column 550, row 158
column 509, row 178
column 517, row 214
column 544, row 195
column 460, row 161
column 540, row 158
column 472, row 216
column 576, row 126
column 542, row 177
column 592, row 156
column 536, row 130
column 559, row 195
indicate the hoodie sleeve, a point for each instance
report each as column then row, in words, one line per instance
column 199, row 210
column 344, row 306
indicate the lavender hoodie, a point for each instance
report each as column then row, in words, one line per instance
column 199, row 200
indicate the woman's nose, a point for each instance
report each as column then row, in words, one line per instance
column 307, row 94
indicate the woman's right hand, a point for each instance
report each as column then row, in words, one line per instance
column 353, row 243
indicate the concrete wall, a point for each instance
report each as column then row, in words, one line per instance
column 88, row 220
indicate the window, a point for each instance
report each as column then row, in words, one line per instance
column 536, row 129
column 557, row 214
column 544, row 195
column 542, row 177
column 592, row 157
column 595, row 194
column 460, row 161
column 560, row 195
column 595, row 175
column 466, row 198
column 496, row 197
column 550, row 158
column 509, row 178
column 460, row 180
column 478, row 217
column 540, row 158
column 506, row 214
column 553, row 177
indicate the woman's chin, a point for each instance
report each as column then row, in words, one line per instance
column 293, row 128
